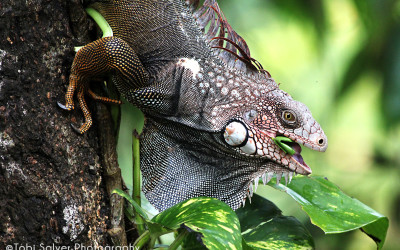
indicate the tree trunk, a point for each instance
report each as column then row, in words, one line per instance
column 51, row 185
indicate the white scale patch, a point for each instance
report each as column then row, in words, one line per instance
column 250, row 147
column 190, row 64
column 235, row 133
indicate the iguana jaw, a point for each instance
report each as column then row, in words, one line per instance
column 265, row 175
column 296, row 165
column 293, row 160
column 294, row 149
column 296, row 162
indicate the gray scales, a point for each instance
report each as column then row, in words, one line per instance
column 212, row 112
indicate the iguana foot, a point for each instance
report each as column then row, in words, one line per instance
column 99, row 58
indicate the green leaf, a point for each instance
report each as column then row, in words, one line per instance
column 192, row 242
column 215, row 220
column 281, row 142
column 258, row 211
column 334, row 211
column 283, row 232
column 264, row 227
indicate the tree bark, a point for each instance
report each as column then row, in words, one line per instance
column 51, row 185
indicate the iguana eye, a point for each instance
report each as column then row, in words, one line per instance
column 235, row 133
column 288, row 116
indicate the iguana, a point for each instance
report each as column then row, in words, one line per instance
column 214, row 116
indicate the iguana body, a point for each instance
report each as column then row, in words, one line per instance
column 210, row 117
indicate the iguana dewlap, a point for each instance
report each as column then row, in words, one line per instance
column 212, row 113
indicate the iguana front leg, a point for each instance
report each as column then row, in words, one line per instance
column 101, row 57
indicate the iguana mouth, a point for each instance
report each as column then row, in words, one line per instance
column 294, row 150
column 297, row 156
column 287, row 171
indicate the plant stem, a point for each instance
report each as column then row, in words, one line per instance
column 136, row 179
column 178, row 240
column 136, row 168
column 142, row 240
column 101, row 21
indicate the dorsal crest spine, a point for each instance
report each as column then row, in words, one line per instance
column 220, row 35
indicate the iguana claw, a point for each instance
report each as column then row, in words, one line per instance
column 76, row 129
column 62, row 106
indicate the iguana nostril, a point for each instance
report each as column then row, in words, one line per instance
column 321, row 141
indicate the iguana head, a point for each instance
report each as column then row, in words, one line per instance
column 272, row 125
column 261, row 131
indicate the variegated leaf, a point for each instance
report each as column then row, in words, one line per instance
column 334, row 211
column 216, row 221
column 264, row 227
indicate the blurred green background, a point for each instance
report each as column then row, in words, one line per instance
column 342, row 59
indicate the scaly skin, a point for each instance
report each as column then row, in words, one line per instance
column 212, row 112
